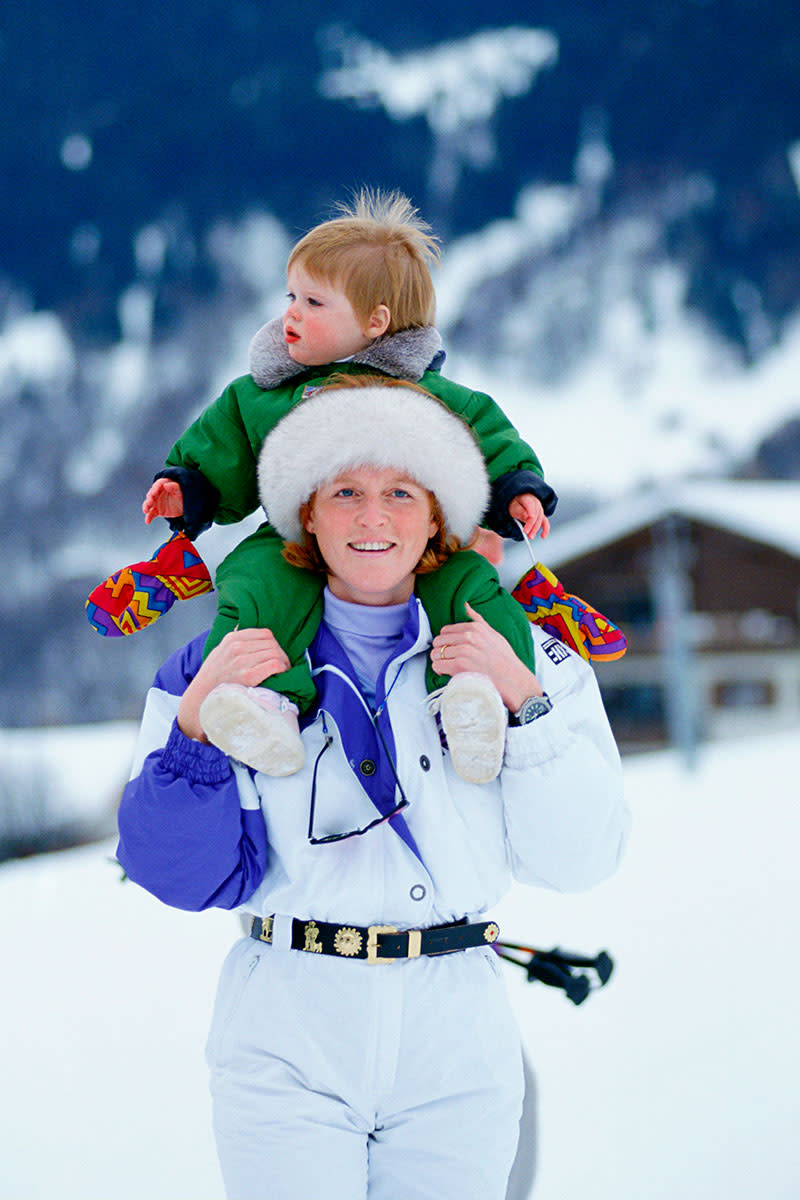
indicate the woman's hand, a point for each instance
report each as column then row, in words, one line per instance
column 164, row 499
column 246, row 656
column 475, row 646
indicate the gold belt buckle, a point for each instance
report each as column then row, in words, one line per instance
column 372, row 943
column 266, row 929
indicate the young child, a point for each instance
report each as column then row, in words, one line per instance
column 360, row 301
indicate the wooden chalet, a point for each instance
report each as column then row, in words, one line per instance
column 704, row 579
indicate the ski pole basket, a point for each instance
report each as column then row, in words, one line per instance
column 560, row 968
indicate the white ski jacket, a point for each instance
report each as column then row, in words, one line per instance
column 198, row 830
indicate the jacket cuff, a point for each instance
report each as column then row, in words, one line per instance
column 198, row 762
column 200, row 500
column 512, row 484
column 532, row 745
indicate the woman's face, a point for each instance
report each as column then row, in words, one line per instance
column 372, row 526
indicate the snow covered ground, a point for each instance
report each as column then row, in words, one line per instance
column 679, row 1079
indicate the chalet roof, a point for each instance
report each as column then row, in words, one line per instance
column 766, row 512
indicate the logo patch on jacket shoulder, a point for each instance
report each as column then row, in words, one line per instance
column 555, row 650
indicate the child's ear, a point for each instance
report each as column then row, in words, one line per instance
column 379, row 321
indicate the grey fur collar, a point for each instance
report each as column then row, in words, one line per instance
column 404, row 355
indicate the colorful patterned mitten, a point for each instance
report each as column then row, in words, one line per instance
column 567, row 617
column 138, row 595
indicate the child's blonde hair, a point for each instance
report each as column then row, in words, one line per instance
column 378, row 251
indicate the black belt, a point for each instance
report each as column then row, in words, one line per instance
column 380, row 943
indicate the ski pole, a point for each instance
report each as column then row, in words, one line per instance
column 555, row 968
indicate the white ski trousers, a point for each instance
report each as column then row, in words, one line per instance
column 338, row 1080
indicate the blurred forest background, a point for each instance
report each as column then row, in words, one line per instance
column 158, row 162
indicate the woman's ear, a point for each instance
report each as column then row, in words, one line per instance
column 437, row 521
column 307, row 516
column 379, row 322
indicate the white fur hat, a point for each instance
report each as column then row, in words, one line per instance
column 378, row 426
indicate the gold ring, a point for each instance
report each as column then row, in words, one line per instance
column 442, row 654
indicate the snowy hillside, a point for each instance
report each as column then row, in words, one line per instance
column 618, row 198
column 580, row 328
column 583, row 334
column 679, row 1079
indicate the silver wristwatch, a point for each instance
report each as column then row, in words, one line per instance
column 531, row 709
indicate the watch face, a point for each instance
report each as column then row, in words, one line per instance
column 534, row 707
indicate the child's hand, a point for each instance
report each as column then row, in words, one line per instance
column 489, row 544
column 165, row 499
column 526, row 509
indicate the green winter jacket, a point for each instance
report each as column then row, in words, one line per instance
column 224, row 443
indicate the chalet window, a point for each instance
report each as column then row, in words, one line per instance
column 743, row 693
column 636, row 711
column 631, row 609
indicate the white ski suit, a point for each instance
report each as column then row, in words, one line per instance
column 331, row 1076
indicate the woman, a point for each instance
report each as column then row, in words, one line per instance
column 362, row 1043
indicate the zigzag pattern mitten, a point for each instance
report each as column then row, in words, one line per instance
column 137, row 595
column 567, row 617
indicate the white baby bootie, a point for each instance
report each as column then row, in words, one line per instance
column 255, row 725
column 474, row 721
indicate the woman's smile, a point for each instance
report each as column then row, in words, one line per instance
column 371, row 547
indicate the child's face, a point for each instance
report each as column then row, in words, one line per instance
column 319, row 324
